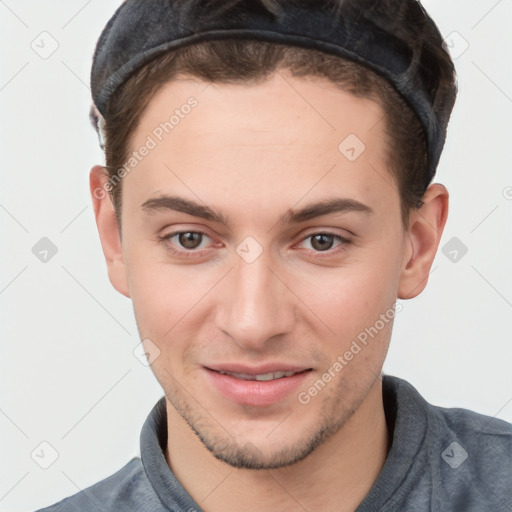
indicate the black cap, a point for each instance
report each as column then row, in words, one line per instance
column 387, row 36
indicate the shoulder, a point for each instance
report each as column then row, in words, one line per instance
column 126, row 488
column 481, row 434
column 462, row 459
column 474, row 454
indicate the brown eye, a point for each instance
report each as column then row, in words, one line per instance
column 190, row 239
column 322, row 242
column 186, row 244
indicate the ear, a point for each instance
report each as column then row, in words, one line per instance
column 426, row 225
column 108, row 229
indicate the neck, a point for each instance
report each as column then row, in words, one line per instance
column 336, row 476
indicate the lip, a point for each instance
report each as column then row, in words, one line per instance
column 256, row 370
column 252, row 392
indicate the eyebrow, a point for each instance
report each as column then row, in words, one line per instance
column 325, row 207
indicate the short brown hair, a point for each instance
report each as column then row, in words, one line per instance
column 252, row 61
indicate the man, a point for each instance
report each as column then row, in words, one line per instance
column 266, row 200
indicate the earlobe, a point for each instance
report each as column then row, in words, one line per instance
column 426, row 227
column 108, row 229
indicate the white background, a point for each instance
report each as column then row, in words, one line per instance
column 68, row 374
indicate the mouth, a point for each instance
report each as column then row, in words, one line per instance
column 262, row 377
column 263, row 386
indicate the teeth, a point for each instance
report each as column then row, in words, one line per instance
column 261, row 377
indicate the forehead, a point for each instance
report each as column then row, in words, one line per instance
column 300, row 136
column 266, row 106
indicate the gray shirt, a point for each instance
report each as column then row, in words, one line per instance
column 441, row 460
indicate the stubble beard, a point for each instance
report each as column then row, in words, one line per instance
column 218, row 441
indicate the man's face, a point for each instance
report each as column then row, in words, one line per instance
column 264, row 292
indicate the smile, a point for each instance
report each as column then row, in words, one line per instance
column 260, row 387
column 260, row 377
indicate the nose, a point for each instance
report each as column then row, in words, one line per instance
column 255, row 305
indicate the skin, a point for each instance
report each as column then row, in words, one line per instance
column 255, row 152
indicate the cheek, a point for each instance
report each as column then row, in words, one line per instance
column 361, row 317
column 168, row 299
column 164, row 305
column 160, row 299
column 353, row 297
